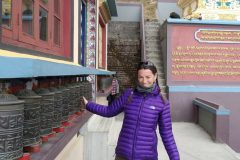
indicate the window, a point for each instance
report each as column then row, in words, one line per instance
column 57, row 22
column 6, row 13
column 35, row 24
column 27, row 17
column 83, row 32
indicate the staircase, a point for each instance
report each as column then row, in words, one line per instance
column 153, row 50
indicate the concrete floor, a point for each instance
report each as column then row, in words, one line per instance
column 192, row 141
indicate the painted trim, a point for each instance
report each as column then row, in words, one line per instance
column 7, row 53
column 220, row 112
column 209, row 89
column 104, row 10
column 214, row 22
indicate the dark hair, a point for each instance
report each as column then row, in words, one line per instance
column 148, row 65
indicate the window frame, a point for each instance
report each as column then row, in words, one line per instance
column 102, row 48
column 15, row 35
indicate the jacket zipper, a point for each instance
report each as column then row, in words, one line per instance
column 139, row 113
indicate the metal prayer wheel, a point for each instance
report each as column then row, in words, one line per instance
column 71, row 99
column 81, row 94
column 77, row 97
column 11, row 127
column 87, row 89
column 58, row 100
column 31, row 125
column 47, row 110
column 65, row 102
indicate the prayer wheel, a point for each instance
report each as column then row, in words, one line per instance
column 71, row 99
column 58, row 107
column 77, row 97
column 65, row 102
column 11, row 127
column 47, row 110
column 31, row 125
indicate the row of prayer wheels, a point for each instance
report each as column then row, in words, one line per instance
column 30, row 114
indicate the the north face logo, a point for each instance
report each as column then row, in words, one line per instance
column 152, row 107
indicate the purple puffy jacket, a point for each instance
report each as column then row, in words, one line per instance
column 142, row 113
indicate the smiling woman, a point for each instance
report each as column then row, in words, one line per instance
column 144, row 108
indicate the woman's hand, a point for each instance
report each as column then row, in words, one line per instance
column 85, row 100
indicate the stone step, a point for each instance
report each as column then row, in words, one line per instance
column 163, row 89
column 133, row 53
column 160, row 69
column 151, row 28
column 152, row 46
column 161, row 75
column 124, row 41
column 161, row 81
column 123, row 24
column 133, row 48
column 152, row 24
column 152, row 34
column 152, row 50
column 153, row 42
column 165, row 95
column 131, row 36
column 152, row 38
column 151, row 20
column 124, row 29
column 154, row 55
column 156, row 62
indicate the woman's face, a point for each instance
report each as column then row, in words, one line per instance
column 146, row 78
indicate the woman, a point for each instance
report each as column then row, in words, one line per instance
column 144, row 108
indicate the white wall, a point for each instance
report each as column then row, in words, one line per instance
column 130, row 12
column 164, row 9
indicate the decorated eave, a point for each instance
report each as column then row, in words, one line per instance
column 210, row 10
column 105, row 12
column 108, row 9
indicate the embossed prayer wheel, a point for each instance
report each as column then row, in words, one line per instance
column 65, row 102
column 11, row 127
column 77, row 97
column 81, row 89
column 31, row 125
column 47, row 110
column 71, row 100
column 58, row 107
column 87, row 89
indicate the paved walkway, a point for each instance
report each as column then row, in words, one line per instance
column 192, row 141
column 195, row 144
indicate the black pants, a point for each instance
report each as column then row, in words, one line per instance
column 119, row 158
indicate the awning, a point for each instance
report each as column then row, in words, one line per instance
column 14, row 67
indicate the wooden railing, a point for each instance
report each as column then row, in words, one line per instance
column 214, row 118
